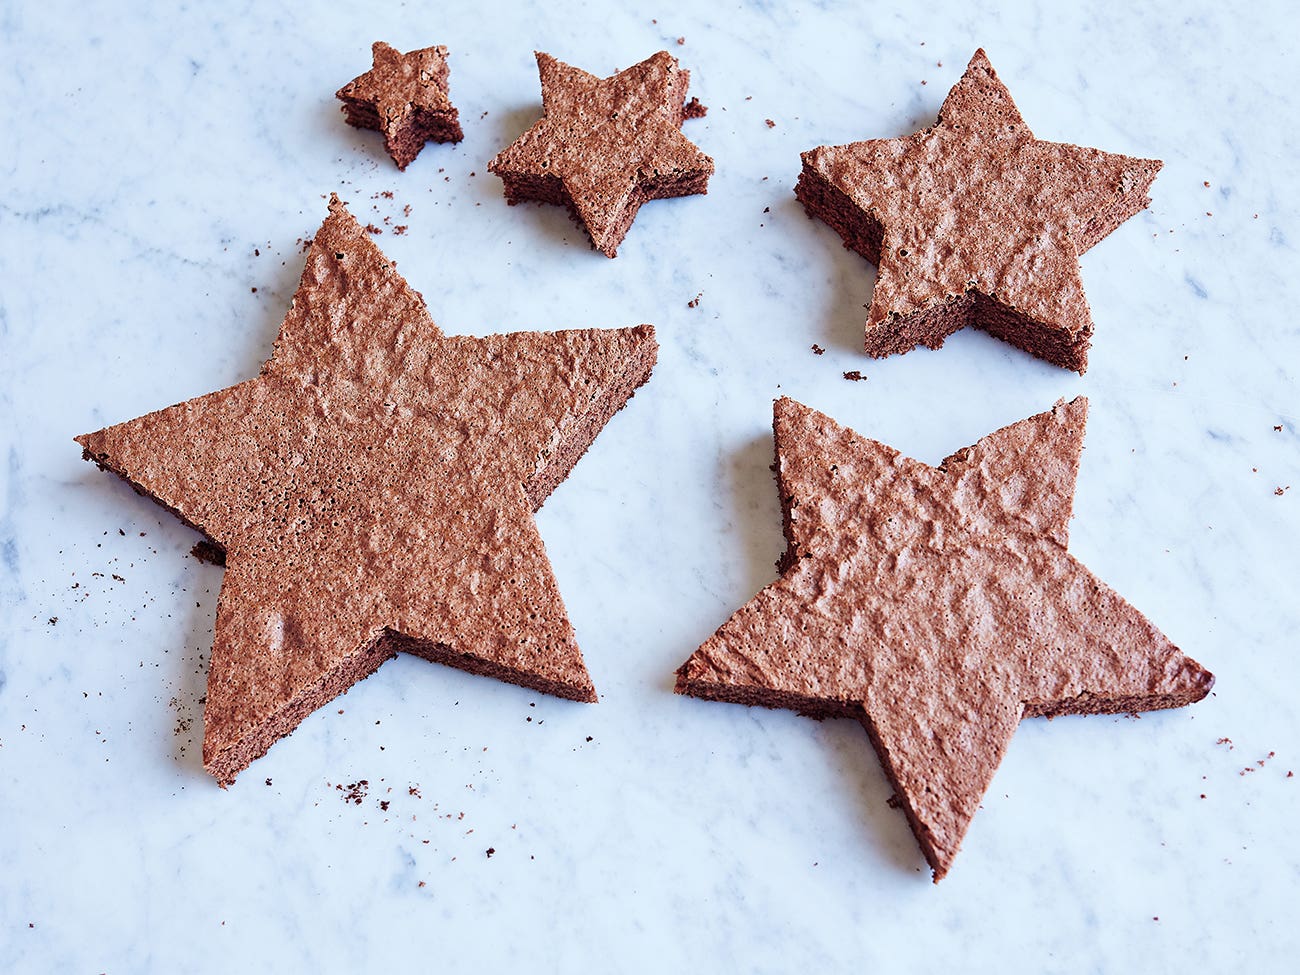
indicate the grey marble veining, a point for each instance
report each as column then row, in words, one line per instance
column 158, row 170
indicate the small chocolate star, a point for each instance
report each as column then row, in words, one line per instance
column 604, row 146
column 938, row 607
column 373, row 490
column 404, row 96
column 973, row 221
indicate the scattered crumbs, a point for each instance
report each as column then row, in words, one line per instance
column 268, row 781
column 1208, row 213
column 383, row 804
column 893, row 802
column 53, row 620
column 305, row 243
column 256, row 252
column 473, row 174
column 121, row 532
column 354, row 792
column 749, row 98
column 1277, row 427
column 483, row 116
column 1155, row 919
column 118, row 578
column 1202, row 795
column 767, row 209
column 695, row 302
column 1225, row 741
column 817, row 349
column 370, row 228
column 253, row 290
column 854, row 375
column 769, row 123
column 1290, row 775
column 1245, row 770
column 210, row 552
column 491, row 850
column 680, row 40
column 1279, row 491
column 422, row 882
column 1207, row 184
column 413, row 790
column 406, row 210
column 589, row 738
column 924, row 82
column 388, row 194
column 400, row 229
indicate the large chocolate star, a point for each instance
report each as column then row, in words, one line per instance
column 938, row 606
column 404, row 96
column 604, row 146
column 973, row 221
column 373, row 490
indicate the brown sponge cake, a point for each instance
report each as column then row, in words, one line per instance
column 604, row 146
column 974, row 221
column 405, row 97
column 938, row 607
column 373, row 490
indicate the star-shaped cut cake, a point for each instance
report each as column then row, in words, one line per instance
column 373, row 490
column 938, row 607
column 604, row 146
column 404, row 96
column 973, row 221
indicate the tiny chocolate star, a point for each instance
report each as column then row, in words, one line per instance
column 604, row 146
column 938, row 607
column 973, row 221
column 405, row 97
column 373, row 490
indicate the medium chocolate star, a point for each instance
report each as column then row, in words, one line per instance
column 938, row 607
column 373, row 491
column 604, row 146
column 973, row 221
column 405, row 97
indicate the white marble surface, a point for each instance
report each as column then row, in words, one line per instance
column 157, row 168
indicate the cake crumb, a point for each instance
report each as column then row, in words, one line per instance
column 490, row 851
column 770, row 124
column 854, row 376
column 695, row 302
column 681, row 40
column 694, row 109
column 817, row 349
